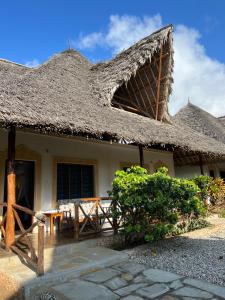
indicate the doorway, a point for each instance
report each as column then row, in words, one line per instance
column 24, row 189
column 222, row 174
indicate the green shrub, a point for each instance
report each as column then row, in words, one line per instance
column 222, row 213
column 190, row 225
column 150, row 205
column 217, row 191
column 203, row 182
column 215, row 188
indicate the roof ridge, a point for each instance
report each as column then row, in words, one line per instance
column 13, row 63
column 67, row 51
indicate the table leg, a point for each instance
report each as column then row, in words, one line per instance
column 60, row 222
column 51, row 225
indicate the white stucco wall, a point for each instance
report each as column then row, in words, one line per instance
column 191, row 171
column 108, row 157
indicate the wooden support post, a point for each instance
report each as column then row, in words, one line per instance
column 76, row 221
column 98, row 227
column 115, row 224
column 11, row 189
column 201, row 164
column 141, row 156
column 159, row 83
column 40, row 262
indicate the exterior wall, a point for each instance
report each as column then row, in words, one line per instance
column 191, row 171
column 46, row 151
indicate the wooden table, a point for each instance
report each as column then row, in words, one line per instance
column 52, row 215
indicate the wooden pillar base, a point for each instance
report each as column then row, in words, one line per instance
column 11, row 189
column 10, row 220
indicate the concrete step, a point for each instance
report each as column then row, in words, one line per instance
column 62, row 264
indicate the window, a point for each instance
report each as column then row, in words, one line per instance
column 74, row 181
column 212, row 173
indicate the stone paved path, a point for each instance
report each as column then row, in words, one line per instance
column 131, row 281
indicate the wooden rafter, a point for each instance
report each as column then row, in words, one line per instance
column 131, row 109
column 138, row 89
column 158, row 83
column 131, row 98
column 133, row 91
column 146, row 93
column 150, row 86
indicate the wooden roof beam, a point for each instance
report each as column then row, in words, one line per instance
column 159, row 83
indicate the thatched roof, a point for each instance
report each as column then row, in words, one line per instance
column 69, row 95
column 222, row 120
column 200, row 121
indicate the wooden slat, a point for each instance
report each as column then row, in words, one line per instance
column 158, row 83
column 140, row 93
column 40, row 261
column 131, row 109
column 22, row 254
column 149, row 100
column 106, row 215
column 150, row 85
column 77, row 221
column 30, row 229
column 87, row 217
column 29, row 243
column 131, row 97
column 24, row 209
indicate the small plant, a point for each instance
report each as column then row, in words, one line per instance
column 217, row 191
column 203, row 182
column 222, row 213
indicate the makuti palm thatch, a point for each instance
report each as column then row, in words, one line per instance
column 222, row 120
column 203, row 122
column 69, row 95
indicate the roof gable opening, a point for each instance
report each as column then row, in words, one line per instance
column 146, row 92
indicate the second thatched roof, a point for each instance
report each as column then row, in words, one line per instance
column 202, row 121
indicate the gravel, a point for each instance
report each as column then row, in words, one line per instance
column 198, row 254
column 9, row 289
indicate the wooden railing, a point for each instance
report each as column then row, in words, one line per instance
column 22, row 245
column 3, row 220
column 93, row 220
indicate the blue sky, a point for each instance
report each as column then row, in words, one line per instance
column 31, row 31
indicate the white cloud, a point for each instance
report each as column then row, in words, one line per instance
column 196, row 75
column 32, row 63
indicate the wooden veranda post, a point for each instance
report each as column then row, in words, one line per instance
column 76, row 220
column 11, row 189
column 201, row 164
column 40, row 262
column 141, row 156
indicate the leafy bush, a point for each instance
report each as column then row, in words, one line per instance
column 150, row 205
column 203, row 182
column 217, row 191
column 215, row 188
column 190, row 225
